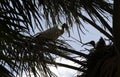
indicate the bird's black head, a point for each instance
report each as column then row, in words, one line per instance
column 65, row 26
column 101, row 42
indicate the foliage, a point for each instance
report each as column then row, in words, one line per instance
column 20, row 53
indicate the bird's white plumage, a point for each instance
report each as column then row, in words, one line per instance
column 52, row 33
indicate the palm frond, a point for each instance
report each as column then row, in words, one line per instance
column 18, row 19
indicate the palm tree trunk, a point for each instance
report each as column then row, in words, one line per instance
column 116, row 24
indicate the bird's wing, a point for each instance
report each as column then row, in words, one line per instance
column 52, row 33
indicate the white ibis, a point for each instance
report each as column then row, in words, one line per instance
column 52, row 33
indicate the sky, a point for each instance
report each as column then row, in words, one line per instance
column 64, row 72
